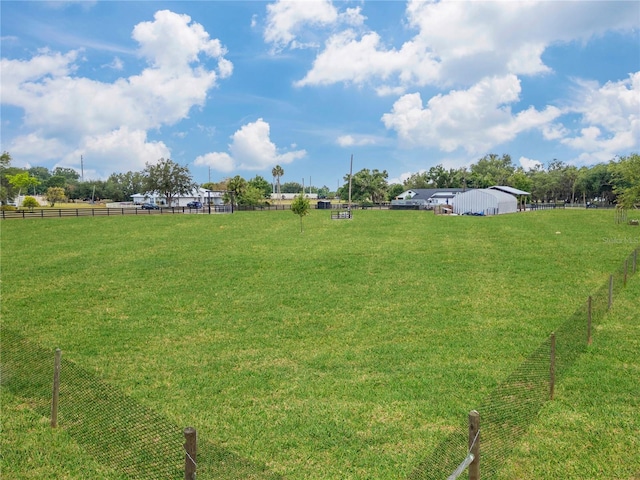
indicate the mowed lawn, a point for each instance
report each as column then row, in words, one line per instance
column 348, row 351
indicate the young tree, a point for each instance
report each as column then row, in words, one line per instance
column 168, row 179
column 55, row 195
column 300, row 206
column 30, row 203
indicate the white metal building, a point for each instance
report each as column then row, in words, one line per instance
column 484, row 201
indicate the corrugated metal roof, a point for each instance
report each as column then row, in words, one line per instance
column 511, row 190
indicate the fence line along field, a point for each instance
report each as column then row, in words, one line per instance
column 349, row 351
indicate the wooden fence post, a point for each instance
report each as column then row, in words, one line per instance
column 610, row 292
column 56, row 388
column 474, row 444
column 589, row 315
column 190, row 449
column 552, row 367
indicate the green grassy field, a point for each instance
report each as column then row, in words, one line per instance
column 348, row 351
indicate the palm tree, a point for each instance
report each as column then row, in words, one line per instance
column 277, row 172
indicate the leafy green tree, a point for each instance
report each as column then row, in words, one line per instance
column 368, row 185
column 92, row 189
column 220, row 186
column 23, row 181
column 291, row 187
column 395, row 189
column 261, row 184
column 120, row 186
column 43, row 174
column 5, row 160
column 626, row 179
column 168, row 179
column 55, row 195
column 56, row 181
column 323, row 192
column 30, row 203
column 582, row 184
column 439, row 177
column 68, row 173
column 417, row 180
column 251, row 196
column 491, row 170
column 300, row 206
column 601, row 182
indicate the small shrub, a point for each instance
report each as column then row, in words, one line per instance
column 30, row 203
column 8, row 208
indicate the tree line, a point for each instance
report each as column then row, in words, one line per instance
column 617, row 181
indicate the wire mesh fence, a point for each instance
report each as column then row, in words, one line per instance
column 508, row 411
column 137, row 443
column 118, row 431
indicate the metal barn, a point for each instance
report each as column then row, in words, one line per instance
column 484, row 201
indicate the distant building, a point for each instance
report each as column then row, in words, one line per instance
column 291, row 196
column 424, row 198
column 201, row 195
column 484, row 201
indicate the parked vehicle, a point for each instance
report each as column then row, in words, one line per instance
column 150, row 206
column 194, row 204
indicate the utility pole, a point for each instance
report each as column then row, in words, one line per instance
column 350, row 175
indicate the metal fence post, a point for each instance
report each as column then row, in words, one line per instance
column 56, row 388
column 474, row 444
column 190, row 450
column 589, row 315
column 552, row 366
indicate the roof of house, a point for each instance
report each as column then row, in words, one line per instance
column 511, row 190
column 497, row 194
column 427, row 193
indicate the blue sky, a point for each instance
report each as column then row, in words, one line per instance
column 234, row 88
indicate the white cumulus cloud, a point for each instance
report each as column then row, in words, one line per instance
column 104, row 117
column 355, row 140
column 610, row 118
column 475, row 119
column 461, row 42
column 289, row 22
column 529, row 163
column 251, row 148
